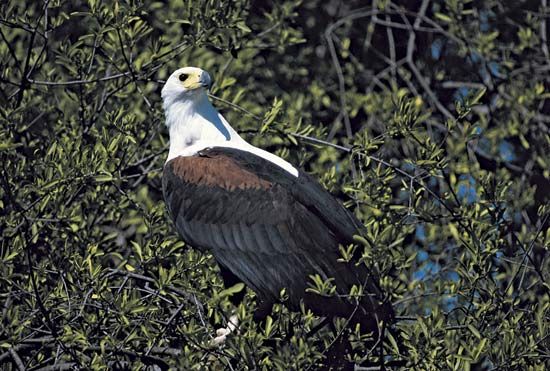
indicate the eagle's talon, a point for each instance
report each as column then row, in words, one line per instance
column 219, row 340
column 222, row 333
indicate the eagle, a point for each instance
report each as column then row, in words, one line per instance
column 266, row 223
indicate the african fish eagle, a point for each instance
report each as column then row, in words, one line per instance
column 266, row 223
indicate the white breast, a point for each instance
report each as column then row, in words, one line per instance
column 195, row 125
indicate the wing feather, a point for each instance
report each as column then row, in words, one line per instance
column 219, row 236
column 270, row 229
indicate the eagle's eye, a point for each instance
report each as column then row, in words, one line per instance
column 183, row 77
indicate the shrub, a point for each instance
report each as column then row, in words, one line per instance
column 428, row 118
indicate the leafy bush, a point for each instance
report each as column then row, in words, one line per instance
column 428, row 118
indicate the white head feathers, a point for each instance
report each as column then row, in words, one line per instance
column 195, row 124
column 185, row 84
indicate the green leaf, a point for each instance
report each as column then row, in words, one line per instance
column 268, row 326
column 474, row 331
column 476, row 98
column 230, row 291
column 479, row 349
column 137, row 249
column 243, row 27
column 443, row 17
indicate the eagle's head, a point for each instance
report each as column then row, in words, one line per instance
column 186, row 83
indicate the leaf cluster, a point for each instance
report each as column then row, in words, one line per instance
column 428, row 119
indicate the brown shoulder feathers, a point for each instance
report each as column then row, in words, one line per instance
column 218, row 171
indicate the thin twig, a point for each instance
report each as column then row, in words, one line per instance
column 16, row 359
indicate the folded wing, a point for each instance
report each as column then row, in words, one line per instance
column 270, row 229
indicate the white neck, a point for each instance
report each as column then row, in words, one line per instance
column 193, row 119
column 194, row 124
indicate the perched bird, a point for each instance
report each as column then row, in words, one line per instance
column 266, row 223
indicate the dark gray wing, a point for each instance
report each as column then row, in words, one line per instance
column 269, row 228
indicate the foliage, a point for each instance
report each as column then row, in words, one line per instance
column 429, row 118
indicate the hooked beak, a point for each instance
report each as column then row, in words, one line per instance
column 205, row 80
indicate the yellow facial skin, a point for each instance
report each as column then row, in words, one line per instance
column 192, row 81
column 189, row 79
